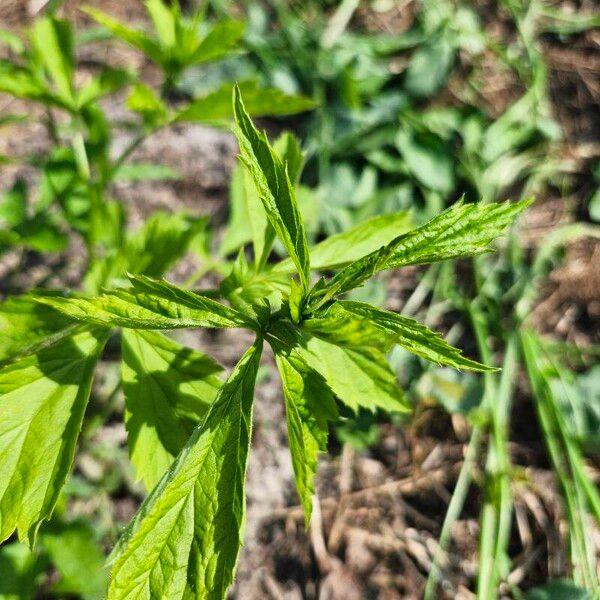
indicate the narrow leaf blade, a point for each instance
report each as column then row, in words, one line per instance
column 274, row 187
column 188, row 532
column 149, row 304
column 309, row 406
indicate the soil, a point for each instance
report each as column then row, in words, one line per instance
column 380, row 510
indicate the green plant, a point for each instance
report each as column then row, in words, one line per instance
column 77, row 174
column 189, row 432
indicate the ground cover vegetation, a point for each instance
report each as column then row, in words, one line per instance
column 397, row 160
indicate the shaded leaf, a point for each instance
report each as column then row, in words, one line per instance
column 44, row 396
column 168, row 390
column 309, row 406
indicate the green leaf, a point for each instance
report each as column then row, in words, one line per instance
column 133, row 37
column 44, row 396
column 144, row 101
column 289, row 149
column 14, row 42
column 428, row 159
column 430, row 66
column 248, row 221
column 41, row 234
column 53, row 42
column 358, row 376
column 185, row 539
column 162, row 240
column 13, row 204
column 216, row 107
column 164, row 22
column 239, row 230
column 168, row 390
column 25, row 324
column 149, row 304
column 107, row 82
column 129, row 172
column 20, row 82
column 309, row 406
column 461, row 230
column 342, row 248
column 20, row 569
column 275, row 189
column 358, row 323
column 561, row 589
column 78, row 558
column 219, row 42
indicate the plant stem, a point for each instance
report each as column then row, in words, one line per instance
column 454, row 509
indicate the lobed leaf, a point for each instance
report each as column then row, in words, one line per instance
column 168, row 391
column 185, row 539
column 43, row 399
column 275, row 188
column 149, row 304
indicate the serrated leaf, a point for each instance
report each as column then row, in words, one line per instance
column 43, row 399
column 358, row 323
column 25, row 324
column 168, row 390
column 134, row 37
column 309, row 406
column 461, row 230
column 274, row 187
column 216, row 107
column 149, row 304
column 342, row 248
column 185, row 539
column 358, row 376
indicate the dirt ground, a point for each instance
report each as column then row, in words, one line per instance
column 380, row 510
